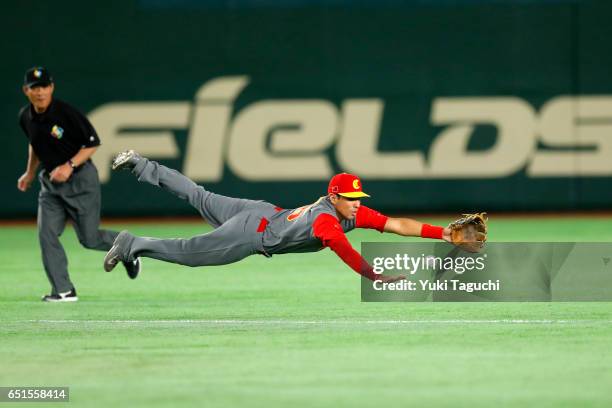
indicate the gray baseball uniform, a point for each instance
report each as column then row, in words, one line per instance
column 242, row 227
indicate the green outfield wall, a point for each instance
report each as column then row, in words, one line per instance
column 437, row 105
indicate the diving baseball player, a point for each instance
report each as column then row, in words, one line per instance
column 247, row 227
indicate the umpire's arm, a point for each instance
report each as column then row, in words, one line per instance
column 63, row 172
column 26, row 178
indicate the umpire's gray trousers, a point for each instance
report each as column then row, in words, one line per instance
column 79, row 200
column 236, row 222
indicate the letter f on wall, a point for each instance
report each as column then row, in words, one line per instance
column 209, row 127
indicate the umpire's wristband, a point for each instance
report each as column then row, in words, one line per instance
column 432, row 231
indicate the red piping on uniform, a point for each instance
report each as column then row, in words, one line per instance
column 262, row 224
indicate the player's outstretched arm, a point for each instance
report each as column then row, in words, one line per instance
column 328, row 230
column 408, row 227
column 404, row 226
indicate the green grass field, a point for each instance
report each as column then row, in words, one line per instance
column 291, row 332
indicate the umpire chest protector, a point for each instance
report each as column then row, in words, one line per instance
column 57, row 134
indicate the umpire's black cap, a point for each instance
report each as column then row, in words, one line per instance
column 37, row 76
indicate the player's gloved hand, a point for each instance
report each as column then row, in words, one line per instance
column 391, row 278
column 468, row 232
column 25, row 181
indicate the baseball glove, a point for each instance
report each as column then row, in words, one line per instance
column 469, row 232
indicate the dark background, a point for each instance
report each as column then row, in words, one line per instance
column 405, row 53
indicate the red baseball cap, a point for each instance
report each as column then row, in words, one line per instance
column 347, row 185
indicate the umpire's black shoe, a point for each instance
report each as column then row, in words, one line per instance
column 132, row 268
column 126, row 160
column 61, row 297
column 116, row 253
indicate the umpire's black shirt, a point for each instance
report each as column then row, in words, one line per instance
column 57, row 134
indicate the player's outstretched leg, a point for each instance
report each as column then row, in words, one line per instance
column 234, row 240
column 215, row 208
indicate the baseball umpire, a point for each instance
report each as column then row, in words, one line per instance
column 247, row 227
column 63, row 141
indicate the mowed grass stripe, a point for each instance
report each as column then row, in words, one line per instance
column 315, row 322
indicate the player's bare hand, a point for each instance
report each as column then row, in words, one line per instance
column 61, row 173
column 391, row 278
column 25, row 181
column 446, row 235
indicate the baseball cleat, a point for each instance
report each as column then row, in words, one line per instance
column 61, row 297
column 126, row 160
column 132, row 268
column 115, row 254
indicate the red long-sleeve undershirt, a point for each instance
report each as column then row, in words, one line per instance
column 327, row 228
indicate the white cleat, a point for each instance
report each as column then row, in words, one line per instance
column 61, row 297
